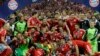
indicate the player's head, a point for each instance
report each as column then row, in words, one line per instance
column 12, row 16
column 92, row 24
column 19, row 35
column 64, row 33
column 42, row 14
column 56, row 16
column 93, row 17
column 77, row 26
column 72, row 15
column 62, row 41
column 70, row 42
column 88, row 15
column 34, row 14
column 20, row 14
column 44, row 20
column 6, row 26
column 25, row 33
column 82, row 16
column 22, row 18
column 64, row 13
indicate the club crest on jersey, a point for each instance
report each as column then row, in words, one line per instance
column 94, row 3
column 12, row 4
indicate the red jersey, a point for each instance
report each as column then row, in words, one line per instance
column 2, row 33
column 79, row 34
column 85, row 45
column 72, row 21
column 36, row 36
column 65, row 50
column 33, row 21
column 55, row 22
column 49, row 21
column 47, row 36
column 2, row 22
column 38, row 52
column 57, row 36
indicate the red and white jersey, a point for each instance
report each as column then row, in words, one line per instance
column 2, row 22
column 65, row 50
column 35, row 36
column 38, row 52
column 78, row 34
column 72, row 21
column 33, row 21
column 55, row 22
column 49, row 21
column 56, row 36
column 3, row 33
column 85, row 45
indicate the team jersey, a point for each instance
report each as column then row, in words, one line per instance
column 79, row 34
column 92, row 38
column 20, row 27
column 85, row 45
column 38, row 52
column 56, row 36
column 22, row 50
column 91, row 33
column 72, row 21
column 3, row 33
column 64, row 49
column 47, row 36
column 33, row 21
column 2, row 22
column 36, row 35
column 49, row 21
column 55, row 22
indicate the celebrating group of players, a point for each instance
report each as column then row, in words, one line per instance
column 57, row 29
column 61, row 35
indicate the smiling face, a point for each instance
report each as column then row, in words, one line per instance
column 77, row 26
column 92, row 24
column 26, row 33
column 19, row 35
column 7, row 26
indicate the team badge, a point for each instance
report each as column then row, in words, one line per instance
column 12, row 4
column 94, row 3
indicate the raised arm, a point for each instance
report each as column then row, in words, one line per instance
column 67, row 28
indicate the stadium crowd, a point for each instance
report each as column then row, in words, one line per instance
column 51, row 28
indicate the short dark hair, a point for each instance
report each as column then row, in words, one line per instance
column 91, row 21
column 34, row 13
column 78, row 24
